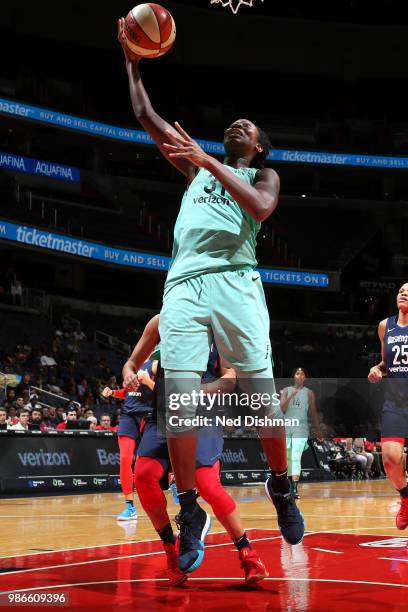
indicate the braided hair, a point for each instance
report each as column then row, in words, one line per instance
column 260, row 158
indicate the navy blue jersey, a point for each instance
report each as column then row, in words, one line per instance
column 140, row 399
column 396, row 359
column 212, row 373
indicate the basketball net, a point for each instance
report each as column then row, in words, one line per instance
column 234, row 4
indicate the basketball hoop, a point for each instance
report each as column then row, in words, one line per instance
column 234, row 4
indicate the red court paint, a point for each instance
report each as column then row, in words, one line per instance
column 349, row 572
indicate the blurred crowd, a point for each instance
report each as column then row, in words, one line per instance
column 50, row 380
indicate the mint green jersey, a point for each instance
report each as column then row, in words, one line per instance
column 298, row 408
column 212, row 232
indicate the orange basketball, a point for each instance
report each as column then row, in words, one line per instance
column 150, row 30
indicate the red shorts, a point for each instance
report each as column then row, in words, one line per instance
column 400, row 440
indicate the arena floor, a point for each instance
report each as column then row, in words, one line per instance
column 352, row 556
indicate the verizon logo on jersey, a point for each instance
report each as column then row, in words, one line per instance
column 211, row 199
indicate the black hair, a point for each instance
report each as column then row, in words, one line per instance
column 297, row 369
column 260, row 158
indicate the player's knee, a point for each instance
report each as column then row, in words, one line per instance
column 261, row 395
column 391, row 458
column 211, row 490
column 145, row 473
column 148, row 473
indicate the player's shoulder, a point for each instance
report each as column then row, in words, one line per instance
column 382, row 326
column 266, row 174
column 191, row 174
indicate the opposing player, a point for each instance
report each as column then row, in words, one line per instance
column 212, row 290
column 298, row 402
column 393, row 334
column 137, row 404
column 153, row 465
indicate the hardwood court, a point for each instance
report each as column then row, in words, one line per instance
column 352, row 556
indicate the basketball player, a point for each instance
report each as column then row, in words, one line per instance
column 212, row 290
column 153, row 464
column 298, row 402
column 393, row 334
column 137, row 404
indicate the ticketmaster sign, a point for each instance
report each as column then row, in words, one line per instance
column 70, row 122
column 43, row 239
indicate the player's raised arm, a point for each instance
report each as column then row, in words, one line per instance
column 156, row 127
column 149, row 339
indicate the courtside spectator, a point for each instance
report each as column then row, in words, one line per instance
column 22, row 424
column 361, row 453
column 47, row 421
column 106, row 423
column 60, row 415
column 376, row 470
column 35, row 419
column 12, row 415
column 93, row 423
column 71, row 416
column 3, row 418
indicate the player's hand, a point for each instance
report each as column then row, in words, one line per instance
column 143, row 377
column 129, row 55
column 107, row 392
column 375, row 375
column 130, row 380
column 184, row 146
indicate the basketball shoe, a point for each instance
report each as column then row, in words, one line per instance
column 401, row 519
column 290, row 519
column 193, row 530
column 128, row 514
column 173, row 489
column 295, row 489
column 254, row 569
column 176, row 576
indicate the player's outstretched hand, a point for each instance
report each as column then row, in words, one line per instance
column 107, row 392
column 375, row 374
column 184, row 146
column 129, row 55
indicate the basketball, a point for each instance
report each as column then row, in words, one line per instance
column 150, row 30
